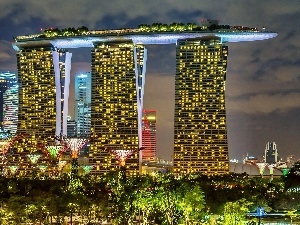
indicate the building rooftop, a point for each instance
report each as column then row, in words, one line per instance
column 79, row 39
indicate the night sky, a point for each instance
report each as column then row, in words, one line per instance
column 263, row 77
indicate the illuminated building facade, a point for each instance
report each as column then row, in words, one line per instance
column 44, row 77
column 71, row 128
column 117, row 87
column 8, row 102
column 200, row 135
column 149, row 135
column 271, row 153
column 118, row 74
column 83, row 104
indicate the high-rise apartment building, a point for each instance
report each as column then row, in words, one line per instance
column 200, row 135
column 43, row 77
column 8, row 102
column 83, row 104
column 149, row 135
column 117, row 100
column 271, row 153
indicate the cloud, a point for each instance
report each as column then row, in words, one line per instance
column 265, row 103
column 80, row 12
column 6, row 51
column 4, row 56
column 7, row 57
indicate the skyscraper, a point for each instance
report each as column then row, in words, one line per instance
column 271, row 153
column 149, row 135
column 71, row 128
column 117, row 87
column 8, row 102
column 44, row 77
column 200, row 136
column 117, row 100
column 83, row 104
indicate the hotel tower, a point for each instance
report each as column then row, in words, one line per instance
column 118, row 67
column 43, row 77
column 200, row 137
column 118, row 76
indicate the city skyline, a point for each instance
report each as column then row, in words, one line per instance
column 258, row 107
column 118, row 72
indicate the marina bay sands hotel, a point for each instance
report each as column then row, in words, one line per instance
column 118, row 69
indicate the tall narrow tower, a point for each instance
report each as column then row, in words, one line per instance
column 8, row 102
column 83, row 104
column 149, row 135
column 271, row 153
column 118, row 73
column 200, row 137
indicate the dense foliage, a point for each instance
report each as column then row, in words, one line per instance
column 160, row 199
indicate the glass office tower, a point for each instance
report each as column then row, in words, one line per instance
column 118, row 71
column 200, row 137
column 83, row 104
column 9, row 102
column 271, row 153
column 149, row 135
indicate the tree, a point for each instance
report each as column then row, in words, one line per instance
column 82, row 30
column 191, row 26
column 5, row 214
column 144, row 198
column 292, row 214
column 235, row 212
column 17, row 205
column 192, row 203
column 121, row 198
column 167, row 199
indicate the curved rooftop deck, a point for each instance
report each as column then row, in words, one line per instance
column 145, row 38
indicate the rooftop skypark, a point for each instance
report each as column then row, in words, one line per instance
column 157, row 33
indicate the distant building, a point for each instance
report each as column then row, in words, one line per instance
column 149, row 134
column 71, row 128
column 253, row 170
column 83, row 104
column 250, row 160
column 8, row 102
column 271, row 153
column 156, row 165
column 290, row 161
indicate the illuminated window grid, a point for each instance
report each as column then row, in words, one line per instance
column 149, row 135
column 200, row 135
column 114, row 106
column 9, row 101
column 37, row 94
column 83, row 103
